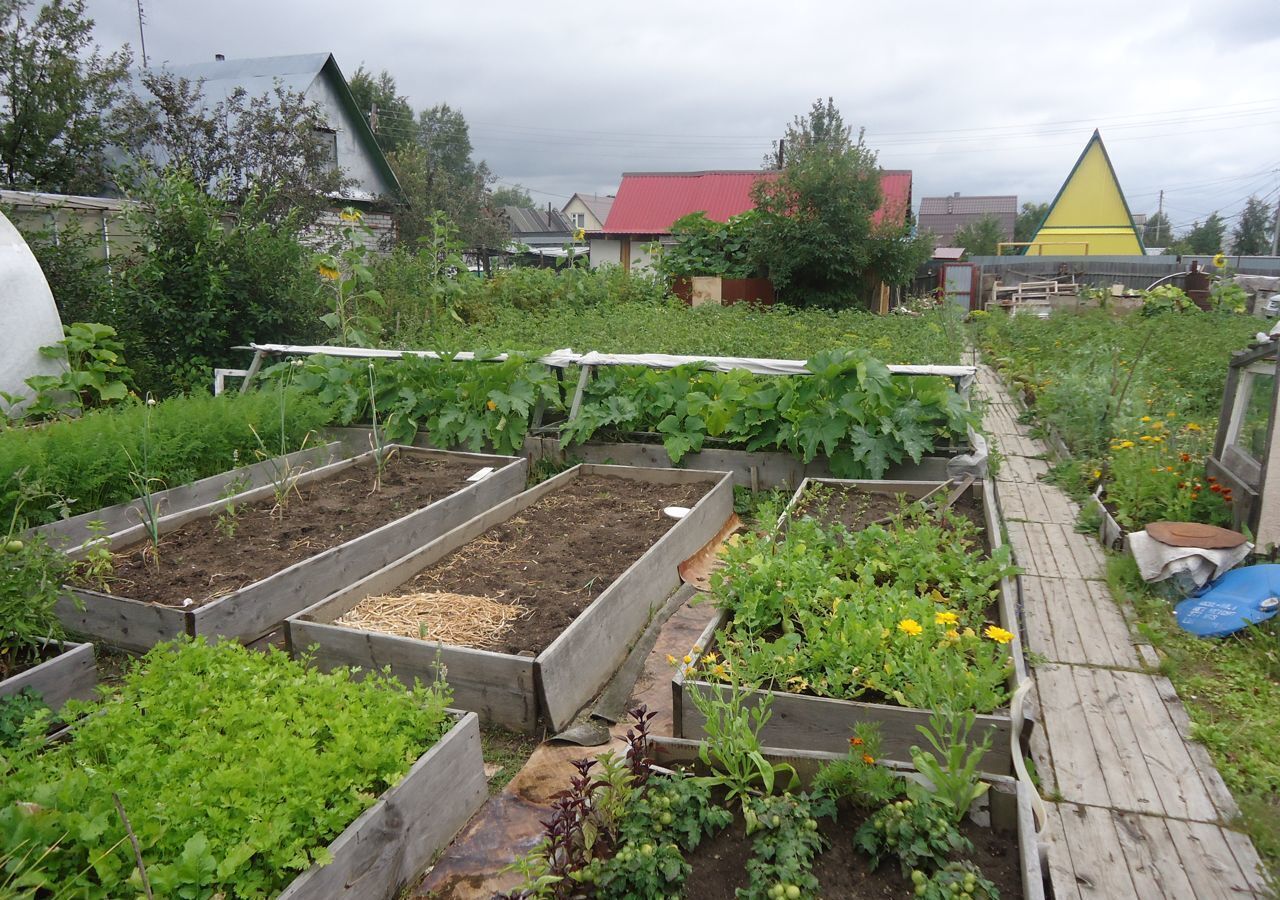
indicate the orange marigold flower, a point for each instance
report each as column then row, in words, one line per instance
column 1211, row 480
column 855, row 742
column 868, row 758
column 1185, row 457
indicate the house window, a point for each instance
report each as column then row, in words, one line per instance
column 327, row 140
column 579, row 220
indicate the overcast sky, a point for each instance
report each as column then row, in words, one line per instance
column 979, row 98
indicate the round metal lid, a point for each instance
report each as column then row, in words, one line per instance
column 1195, row 534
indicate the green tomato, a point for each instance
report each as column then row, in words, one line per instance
column 793, row 892
column 666, row 818
column 776, row 890
column 647, row 849
column 811, row 824
column 776, row 820
column 14, row 546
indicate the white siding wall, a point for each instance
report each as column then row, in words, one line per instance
column 605, row 253
column 353, row 159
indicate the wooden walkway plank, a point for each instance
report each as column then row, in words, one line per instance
column 1040, row 754
column 1181, row 788
column 1226, row 805
column 1126, row 789
column 1208, row 860
column 1075, row 762
column 1113, row 625
column 1247, row 858
column 1033, row 505
column 1076, row 555
column 1057, row 637
column 1148, row 850
column 1031, row 549
column 1100, row 867
column 1062, row 871
column 1131, row 765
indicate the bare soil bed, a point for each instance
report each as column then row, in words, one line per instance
column 720, row 862
column 555, row 557
column 200, row 562
column 856, row 509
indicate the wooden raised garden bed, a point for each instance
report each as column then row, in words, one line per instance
column 75, row 530
column 590, row 556
column 1004, row 814
column 391, row 842
column 70, row 673
column 274, row 563
column 808, row 722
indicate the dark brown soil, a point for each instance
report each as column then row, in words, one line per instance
column 198, row 560
column 856, row 509
column 720, row 863
column 559, row 554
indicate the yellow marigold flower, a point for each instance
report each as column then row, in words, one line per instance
column 718, row 670
column 998, row 634
column 910, row 626
column 945, row 618
column 1157, row 426
column 1192, row 426
column 1171, row 415
column 1097, row 473
column 688, row 659
column 1145, row 419
column 491, row 406
column 711, row 657
column 329, row 272
column 953, row 635
column 968, row 632
column 697, row 648
column 1125, row 445
column 671, row 660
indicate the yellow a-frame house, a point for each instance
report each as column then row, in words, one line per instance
column 1089, row 217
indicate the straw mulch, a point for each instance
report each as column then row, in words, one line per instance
column 435, row 616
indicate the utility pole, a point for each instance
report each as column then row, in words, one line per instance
column 1275, row 232
column 142, row 36
column 1160, row 219
column 373, row 117
column 782, row 149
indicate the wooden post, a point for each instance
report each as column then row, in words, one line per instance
column 253, row 370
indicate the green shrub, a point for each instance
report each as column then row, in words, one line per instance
column 84, row 463
column 236, row 770
column 208, row 278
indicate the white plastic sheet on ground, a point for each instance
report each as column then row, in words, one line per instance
column 1160, row 562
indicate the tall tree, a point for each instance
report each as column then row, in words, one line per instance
column 387, row 111
column 1158, row 232
column 437, row 172
column 816, row 233
column 1028, row 221
column 1208, row 238
column 54, row 85
column 277, row 143
column 1252, row 236
column 980, row 237
column 514, row 195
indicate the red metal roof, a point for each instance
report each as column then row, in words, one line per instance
column 649, row 202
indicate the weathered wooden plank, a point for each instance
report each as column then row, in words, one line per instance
column 1032, row 549
column 1208, row 861
column 500, row 687
column 389, row 845
column 1129, row 780
column 119, row 621
column 1151, row 858
column 1033, row 505
column 1062, row 872
column 71, row 675
column 1075, row 761
column 1099, row 866
column 579, row 662
column 1228, row 811
column 1248, row 860
column 1112, row 629
column 1181, row 789
column 1082, row 558
column 1039, row 744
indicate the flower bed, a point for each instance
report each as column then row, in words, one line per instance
column 241, row 774
column 729, row 818
column 553, row 551
column 881, row 624
column 267, row 539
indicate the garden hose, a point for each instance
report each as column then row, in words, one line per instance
column 1019, row 762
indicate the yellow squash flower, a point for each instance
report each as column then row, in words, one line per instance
column 910, row 627
column 998, row 634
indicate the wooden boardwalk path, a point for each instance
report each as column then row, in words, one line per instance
column 1137, row 809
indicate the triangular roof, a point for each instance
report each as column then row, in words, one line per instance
column 599, row 204
column 649, row 202
column 1089, row 216
column 258, row 77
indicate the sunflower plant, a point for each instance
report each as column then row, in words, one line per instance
column 350, row 284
